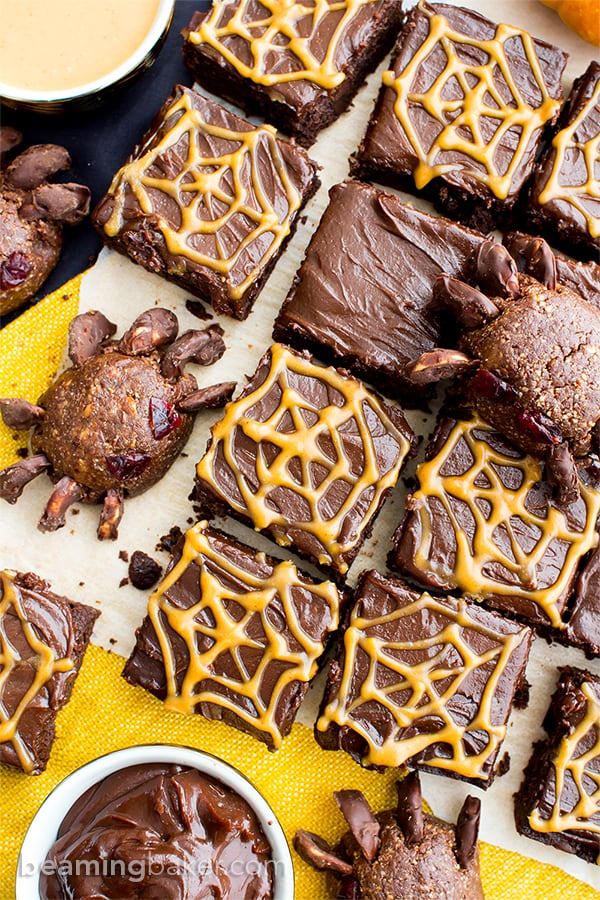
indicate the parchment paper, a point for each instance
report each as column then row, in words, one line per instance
column 90, row 571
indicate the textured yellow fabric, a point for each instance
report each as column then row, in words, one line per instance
column 106, row 714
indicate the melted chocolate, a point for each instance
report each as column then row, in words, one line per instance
column 159, row 830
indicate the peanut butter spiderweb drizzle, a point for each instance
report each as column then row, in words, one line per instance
column 421, row 679
column 302, row 444
column 42, row 663
column 505, row 504
column 466, row 112
column 568, row 761
column 229, row 634
column 564, row 143
column 280, row 20
column 207, row 186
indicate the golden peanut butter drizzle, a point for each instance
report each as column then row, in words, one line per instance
column 570, row 763
column 303, row 444
column 229, row 634
column 43, row 664
column 464, row 114
column 506, row 505
column 202, row 180
column 277, row 32
column 423, row 680
column 565, row 145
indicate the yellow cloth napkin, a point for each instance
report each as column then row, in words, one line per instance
column 106, row 714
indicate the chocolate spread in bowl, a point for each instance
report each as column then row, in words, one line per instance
column 159, row 830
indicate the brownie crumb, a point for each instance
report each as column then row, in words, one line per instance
column 124, row 555
column 123, row 582
column 144, row 571
column 167, row 542
column 198, row 309
column 22, row 452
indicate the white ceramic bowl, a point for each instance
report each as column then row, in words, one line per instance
column 43, row 830
column 93, row 93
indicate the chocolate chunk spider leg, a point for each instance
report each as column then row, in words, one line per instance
column 410, row 808
column 363, row 824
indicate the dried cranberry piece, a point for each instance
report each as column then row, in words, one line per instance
column 127, row 465
column 164, row 418
column 490, row 386
column 14, row 271
column 539, row 427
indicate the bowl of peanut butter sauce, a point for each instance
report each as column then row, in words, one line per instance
column 63, row 54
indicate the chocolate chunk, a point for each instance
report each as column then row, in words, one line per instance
column 363, row 824
column 10, row 138
column 111, row 515
column 14, row 478
column 496, row 270
column 317, row 852
column 36, row 164
column 67, row 203
column 467, row 831
column 470, row 306
column 410, row 808
column 144, row 571
column 202, row 347
column 437, row 364
column 150, row 330
column 198, row 309
column 561, row 472
column 20, row 414
column 212, row 397
column 87, row 332
column 66, row 492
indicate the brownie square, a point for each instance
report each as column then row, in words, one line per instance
column 564, row 201
column 305, row 454
column 583, row 278
column 208, row 201
column 461, row 114
column 297, row 64
column 233, row 634
column 44, row 637
column 363, row 295
column 558, row 802
column 484, row 521
column 423, row 681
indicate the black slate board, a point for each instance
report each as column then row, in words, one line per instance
column 99, row 141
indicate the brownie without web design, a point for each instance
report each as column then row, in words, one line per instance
column 558, row 802
column 233, row 634
column 564, row 200
column 297, row 64
column 307, row 455
column 423, row 681
column 484, row 521
column 208, row 201
column 44, row 639
column 363, row 295
column 461, row 114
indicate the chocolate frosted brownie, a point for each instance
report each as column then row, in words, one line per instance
column 208, row 201
column 461, row 114
column 298, row 64
column 564, row 201
column 305, row 454
column 44, row 639
column 559, row 800
column 423, row 681
column 363, row 295
column 233, row 634
column 484, row 521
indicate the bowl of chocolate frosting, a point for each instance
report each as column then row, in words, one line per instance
column 157, row 820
